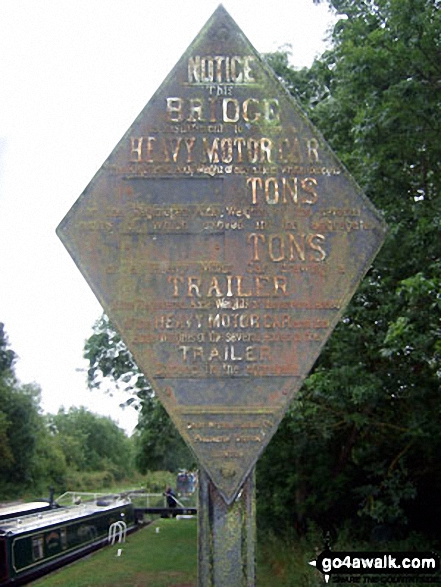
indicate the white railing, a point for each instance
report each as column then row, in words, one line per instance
column 117, row 529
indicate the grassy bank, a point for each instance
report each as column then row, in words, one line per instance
column 164, row 554
column 148, row 558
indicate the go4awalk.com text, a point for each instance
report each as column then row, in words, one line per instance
column 379, row 568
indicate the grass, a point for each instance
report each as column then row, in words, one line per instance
column 164, row 554
column 167, row 557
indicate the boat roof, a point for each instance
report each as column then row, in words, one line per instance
column 57, row 516
column 22, row 508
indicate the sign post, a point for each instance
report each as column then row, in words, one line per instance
column 226, row 536
column 224, row 240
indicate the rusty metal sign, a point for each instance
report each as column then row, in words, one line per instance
column 224, row 239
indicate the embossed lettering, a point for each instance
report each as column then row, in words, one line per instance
column 228, row 286
column 284, row 190
column 221, row 69
column 287, row 247
column 233, row 110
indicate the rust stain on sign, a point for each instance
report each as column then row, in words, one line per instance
column 224, row 239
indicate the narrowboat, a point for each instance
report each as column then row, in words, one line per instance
column 32, row 545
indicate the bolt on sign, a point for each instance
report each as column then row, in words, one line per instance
column 224, row 240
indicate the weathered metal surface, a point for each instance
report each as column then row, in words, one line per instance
column 226, row 535
column 224, row 240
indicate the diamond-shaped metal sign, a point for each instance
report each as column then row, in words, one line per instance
column 224, row 239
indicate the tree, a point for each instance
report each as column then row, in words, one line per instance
column 21, row 426
column 38, row 451
column 158, row 444
column 362, row 438
column 160, row 447
column 7, row 356
column 111, row 364
column 22, row 407
column 91, row 442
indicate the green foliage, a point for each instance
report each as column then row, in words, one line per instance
column 360, row 443
column 88, row 481
column 7, row 356
column 111, row 364
column 21, row 429
column 38, row 451
column 156, row 481
column 91, row 443
column 158, row 444
column 50, row 464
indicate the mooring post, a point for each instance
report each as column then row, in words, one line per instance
column 227, row 534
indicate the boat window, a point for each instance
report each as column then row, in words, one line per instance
column 63, row 534
column 4, row 574
column 37, row 548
